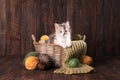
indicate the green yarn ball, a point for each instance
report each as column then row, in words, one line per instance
column 74, row 62
column 77, row 37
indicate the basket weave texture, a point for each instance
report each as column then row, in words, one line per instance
column 78, row 50
column 54, row 51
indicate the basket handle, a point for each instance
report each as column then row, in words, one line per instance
column 33, row 37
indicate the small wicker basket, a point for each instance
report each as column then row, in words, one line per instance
column 53, row 50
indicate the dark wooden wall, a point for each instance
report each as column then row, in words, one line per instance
column 99, row 20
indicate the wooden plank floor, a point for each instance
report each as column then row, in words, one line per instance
column 11, row 68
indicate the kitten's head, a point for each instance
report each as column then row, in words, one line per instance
column 62, row 29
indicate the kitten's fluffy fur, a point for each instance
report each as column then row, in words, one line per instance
column 62, row 34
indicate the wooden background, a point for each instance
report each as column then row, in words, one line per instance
column 99, row 20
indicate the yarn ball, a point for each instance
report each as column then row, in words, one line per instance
column 32, row 53
column 87, row 60
column 77, row 37
column 31, row 63
column 41, row 66
column 44, row 37
column 45, row 59
column 74, row 62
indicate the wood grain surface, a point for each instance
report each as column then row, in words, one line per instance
column 11, row 68
column 97, row 19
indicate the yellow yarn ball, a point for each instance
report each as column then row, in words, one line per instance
column 44, row 37
column 31, row 63
column 87, row 60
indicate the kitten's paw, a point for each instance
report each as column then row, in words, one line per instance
column 69, row 45
column 64, row 46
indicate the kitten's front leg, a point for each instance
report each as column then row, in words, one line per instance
column 60, row 43
column 63, row 45
column 68, row 44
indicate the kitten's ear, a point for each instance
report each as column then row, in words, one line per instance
column 56, row 26
column 68, row 24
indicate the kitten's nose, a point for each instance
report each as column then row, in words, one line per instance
column 65, row 30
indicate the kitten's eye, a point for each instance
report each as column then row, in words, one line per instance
column 60, row 31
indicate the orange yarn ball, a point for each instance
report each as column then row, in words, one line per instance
column 87, row 60
column 31, row 63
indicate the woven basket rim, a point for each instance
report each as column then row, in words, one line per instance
column 51, row 44
column 37, row 43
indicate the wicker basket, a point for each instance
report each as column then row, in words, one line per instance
column 54, row 51
column 62, row 56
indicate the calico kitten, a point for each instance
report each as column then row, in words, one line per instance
column 62, row 35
